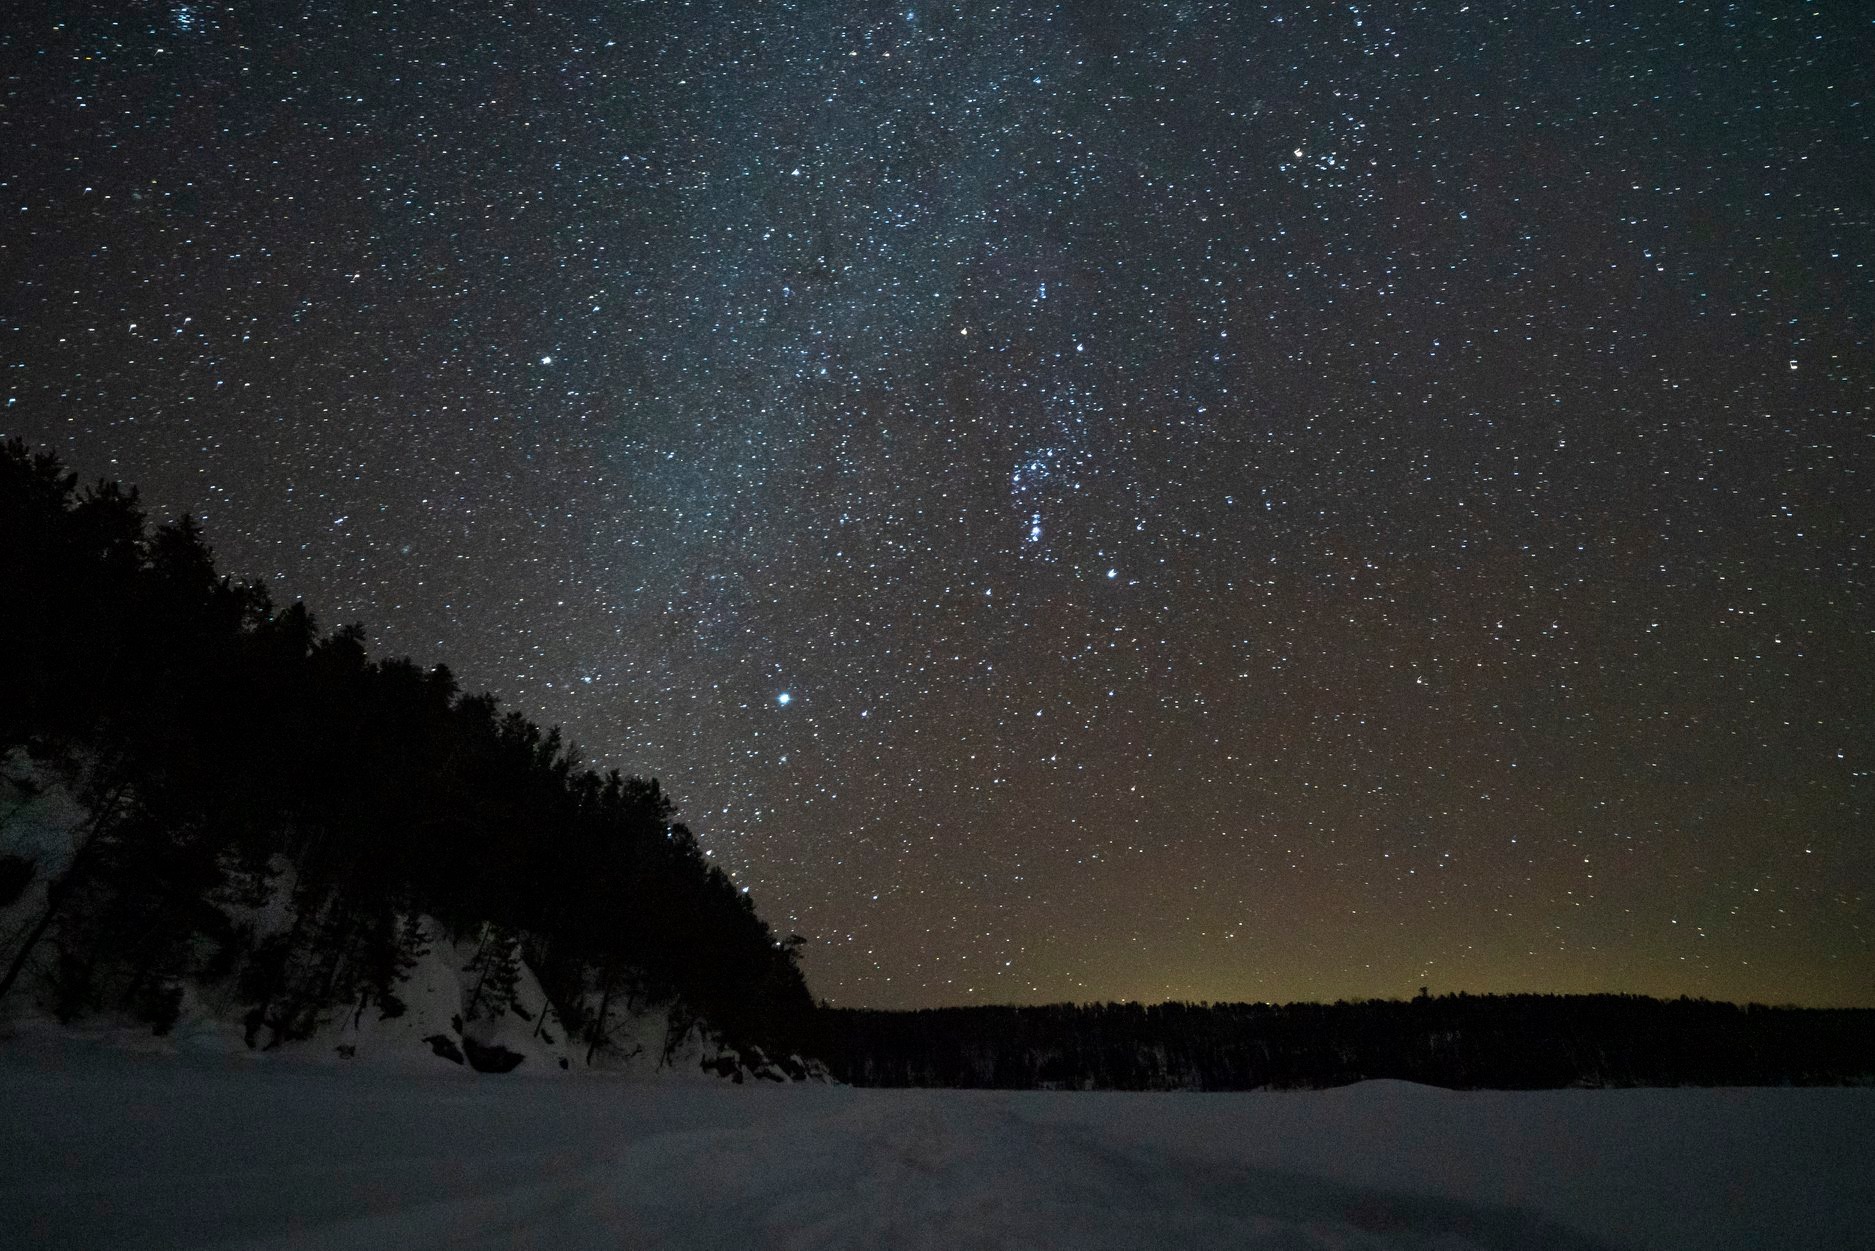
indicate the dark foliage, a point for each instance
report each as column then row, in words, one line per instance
column 226, row 750
column 1503, row 1042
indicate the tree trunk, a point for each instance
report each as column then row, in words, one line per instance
column 258, row 1017
column 481, row 949
column 597, row 1032
column 341, row 953
column 57, row 892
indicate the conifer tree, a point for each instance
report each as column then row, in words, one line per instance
column 496, row 968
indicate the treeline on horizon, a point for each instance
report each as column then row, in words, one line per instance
column 1460, row 1041
column 229, row 755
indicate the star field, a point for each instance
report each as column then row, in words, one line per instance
column 1213, row 501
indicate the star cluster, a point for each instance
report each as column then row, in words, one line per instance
column 1201, row 500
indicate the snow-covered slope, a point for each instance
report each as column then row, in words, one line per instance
column 99, row 1149
column 432, row 1031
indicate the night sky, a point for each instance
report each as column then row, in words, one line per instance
column 1110, row 500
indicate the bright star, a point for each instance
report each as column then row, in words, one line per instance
column 784, row 699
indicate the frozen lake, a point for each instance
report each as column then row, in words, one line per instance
column 102, row 1150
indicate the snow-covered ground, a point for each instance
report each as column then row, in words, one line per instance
column 99, row 1149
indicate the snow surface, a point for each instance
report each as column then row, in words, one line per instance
column 102, row 1149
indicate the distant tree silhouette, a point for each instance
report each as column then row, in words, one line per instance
column 1461, row 1041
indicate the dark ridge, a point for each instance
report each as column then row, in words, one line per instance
column 1500, row 1042
column 228, row 751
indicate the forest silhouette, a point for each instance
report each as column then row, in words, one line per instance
column 227, row 753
